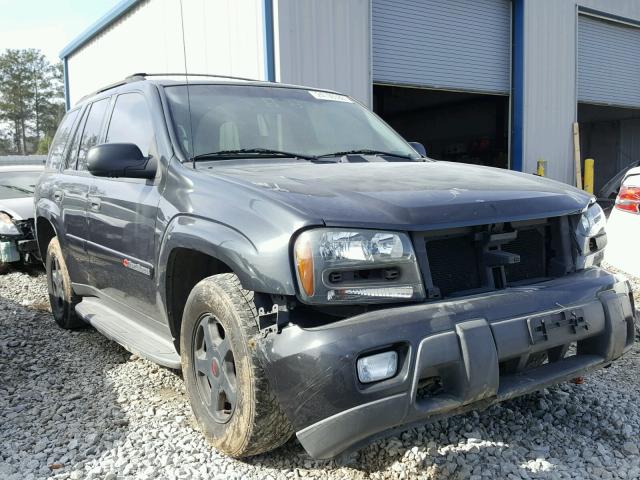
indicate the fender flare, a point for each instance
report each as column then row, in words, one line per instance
column 50, row 211
column 226, row 244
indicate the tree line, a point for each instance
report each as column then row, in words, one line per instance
column 31, row 101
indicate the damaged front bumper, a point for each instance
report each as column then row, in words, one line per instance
column 21, row 246
column 453, row 355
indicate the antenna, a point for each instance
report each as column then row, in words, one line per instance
column 186, row 79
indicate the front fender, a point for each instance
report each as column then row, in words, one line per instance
column 261, row 267
column 49, row 210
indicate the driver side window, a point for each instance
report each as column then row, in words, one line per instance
column 131, row 122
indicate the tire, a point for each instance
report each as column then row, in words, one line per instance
column 227, row 387
column 61, row 297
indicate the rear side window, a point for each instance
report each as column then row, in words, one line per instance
column 65, row 129
column 131, row 122
column 92, row 129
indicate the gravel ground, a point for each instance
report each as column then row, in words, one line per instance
column 76, row 405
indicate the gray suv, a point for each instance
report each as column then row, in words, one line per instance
column 310, row 271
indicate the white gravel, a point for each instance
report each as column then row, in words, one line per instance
column 76, row 405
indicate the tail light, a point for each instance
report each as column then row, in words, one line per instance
column 628, row 199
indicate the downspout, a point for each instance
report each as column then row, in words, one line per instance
column 65, row 73
column 517, row 134
column 269, row 59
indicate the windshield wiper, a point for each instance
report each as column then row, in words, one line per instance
column 19, row 189
column 365, row 151
column 265, row 152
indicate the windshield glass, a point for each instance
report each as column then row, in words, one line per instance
column 306, row 122
column 18, row 184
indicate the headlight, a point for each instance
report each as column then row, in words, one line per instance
column 356, row 266
column 592, row 222
column 7, row 227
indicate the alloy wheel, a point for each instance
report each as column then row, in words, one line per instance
column 215, row 369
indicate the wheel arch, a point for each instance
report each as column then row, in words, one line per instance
column 193, row 248
column 45, row 232
column 184, row 269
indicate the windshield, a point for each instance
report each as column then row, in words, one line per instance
column 288, row 120
column 18, row 184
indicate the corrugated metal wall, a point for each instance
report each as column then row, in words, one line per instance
column 222, row 37
column 452, row 44
column 549, row 86
column 608, row 62
column 324, row 44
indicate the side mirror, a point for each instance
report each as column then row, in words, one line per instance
column 418, row 147
column 120, row 160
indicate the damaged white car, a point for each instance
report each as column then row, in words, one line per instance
column 17, row 239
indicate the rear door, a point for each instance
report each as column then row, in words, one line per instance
column 73, row 189
column 122, row 215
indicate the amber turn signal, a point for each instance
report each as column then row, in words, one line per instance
column 304, row 264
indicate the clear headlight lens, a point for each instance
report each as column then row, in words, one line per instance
column 7, row 227
column 356, row 266
column 592, row 222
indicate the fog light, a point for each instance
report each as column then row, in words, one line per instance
column 380, row 366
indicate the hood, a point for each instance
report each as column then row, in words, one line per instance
column 407, row 195
column 18, row 208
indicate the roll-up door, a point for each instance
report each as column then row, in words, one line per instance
column 443, row 44
column 608, row 62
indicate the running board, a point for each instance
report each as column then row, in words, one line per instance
column 131, row 335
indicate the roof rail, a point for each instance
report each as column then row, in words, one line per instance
column 129, row 79
column 140, row 76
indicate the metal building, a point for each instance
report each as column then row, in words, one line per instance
column 496, row 82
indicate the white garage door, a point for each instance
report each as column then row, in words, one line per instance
column 608, row 62
column 444, row 44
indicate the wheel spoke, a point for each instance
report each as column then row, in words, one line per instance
column 215, row 402
column 229, row 390
column 202, row 364
column 223, row 347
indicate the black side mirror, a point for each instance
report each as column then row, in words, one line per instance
column 120, row 160
column 418, row 147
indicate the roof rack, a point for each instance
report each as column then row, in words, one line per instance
column 137, row 77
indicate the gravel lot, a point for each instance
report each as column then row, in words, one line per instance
column 76, row 405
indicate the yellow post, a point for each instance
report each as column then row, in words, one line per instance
column 542, row 165
column 588, row 174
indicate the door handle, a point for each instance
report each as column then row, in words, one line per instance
column 94, row 204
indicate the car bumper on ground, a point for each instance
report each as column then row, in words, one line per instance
column 453, row 355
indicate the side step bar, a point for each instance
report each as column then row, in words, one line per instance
column 131, row 335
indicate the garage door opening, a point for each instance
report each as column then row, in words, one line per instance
column 453, row 126
column 611, row 136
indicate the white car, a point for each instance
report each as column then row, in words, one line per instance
column 623, row 228
column 17, row 232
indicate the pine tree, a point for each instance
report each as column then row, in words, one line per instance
column 31, row 98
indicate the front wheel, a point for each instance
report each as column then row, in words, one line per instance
column 228, row 390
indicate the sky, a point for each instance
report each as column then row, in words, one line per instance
column 48, row 25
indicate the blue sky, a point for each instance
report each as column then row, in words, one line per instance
column 47, row 24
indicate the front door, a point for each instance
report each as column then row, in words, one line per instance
column 122, row 216
column 73, row 190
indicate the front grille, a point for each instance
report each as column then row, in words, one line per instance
column 453, row 264
column 466, row 259
column 530, row 245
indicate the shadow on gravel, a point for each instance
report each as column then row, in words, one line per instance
column 568, row 428
column 57, row 407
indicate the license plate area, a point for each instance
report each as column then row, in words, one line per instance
column 558, row 325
